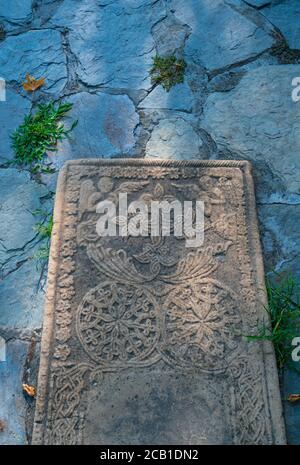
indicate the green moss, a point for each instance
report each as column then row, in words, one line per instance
column 167, row 71
column 44, row 229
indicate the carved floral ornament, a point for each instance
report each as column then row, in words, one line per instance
column 155, row 251
column 123, row 319
column 154, row 300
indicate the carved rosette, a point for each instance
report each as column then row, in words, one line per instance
column 202, row 326
column 117, row 324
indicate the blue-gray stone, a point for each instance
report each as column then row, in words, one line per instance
column 179, row 97
column 39, row 53
column 12, row 401
column 106, row 127
column 258, row 120
column 280, row 237
column 16, row 10
column 291, row 383
column 175, row 138
column 286, row 16
column 12, row 113
column 258, row 3
column 220, row 35
column 112, row 41
column 21, row 300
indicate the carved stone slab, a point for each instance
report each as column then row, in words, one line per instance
column 144, row 339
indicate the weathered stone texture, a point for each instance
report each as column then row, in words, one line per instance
column 39, row 53
column 258, row 120
column 13, row 403
column 16, row 10
column 112, row 41
column 143, row 337
column 20, row 296
column 176, row 137
column 220, row 35
column 106, row 127
column 180, row 97
column 235, row 102
column 285, row 16
column 281, row 237
column 12, row 112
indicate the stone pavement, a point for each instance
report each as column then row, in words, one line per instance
column 235, row 103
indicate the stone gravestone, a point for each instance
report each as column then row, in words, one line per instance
column 144, row 339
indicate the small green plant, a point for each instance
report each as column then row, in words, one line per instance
column 167, row 71
column 44, row 229
column 284, row 312
column 39, row 132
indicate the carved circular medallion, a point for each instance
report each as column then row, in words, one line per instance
column 116, row 323
column 202, row 325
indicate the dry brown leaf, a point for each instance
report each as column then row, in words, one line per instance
column 31, row 83
column 30, row 390
column 293, row 397
column 2, row 426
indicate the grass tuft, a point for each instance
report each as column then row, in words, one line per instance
column 44, row 229
column 40, row 132
column 284, row 312
column 167, row 71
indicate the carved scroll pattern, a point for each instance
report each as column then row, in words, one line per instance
column 117, row 322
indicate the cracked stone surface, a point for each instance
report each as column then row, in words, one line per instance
column 13, row 404
column 106, row 127
column 39, row 53
column 18, row 10
column 112, row 41
column 258, row 3
column 20, row 367
column 285, row 16
column 175, row 138
column 20, row 297
column 235, row 102
column 180, row 97
column 21, row 201
column 259, row 120
column 11, row 115
column 281, row 237
column 219, row 35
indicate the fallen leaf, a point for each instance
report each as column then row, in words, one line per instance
column 30, row 390
column 31, row 83
column 2, row 426
column 293, row 397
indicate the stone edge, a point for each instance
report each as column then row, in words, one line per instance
column 49, row 312
column 275, row 409
column 270, row 365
